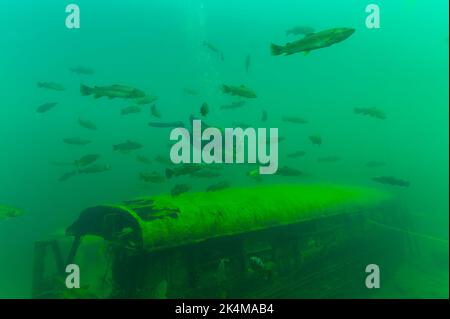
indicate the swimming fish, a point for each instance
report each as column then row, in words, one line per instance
column 241, row 90
column 204, row 109
column 163, row 160
column 288, row 172
column 143, row 159
column 112, row 91
column 297, row 154
column 214, row 49
column 389, row 180
column 87, row 124
column 316, row 139
column 67, row 175
column 264, row 116
column 86, row 160
column 82, row 161
column 234, row 105
column 46, row 107
column 190, row 91
column 184, row 169
column 149, row 99
column 371, row 111
column 155, row 112
column 131, row 110
column 313, row 41
column 218, row 186
column 295, row 120
column 179, row 189
column 86, row 168
column 127, row 146
column 51, row 86
column 210, row 46
column 152, row 177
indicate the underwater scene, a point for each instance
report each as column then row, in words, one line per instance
column 224, row 149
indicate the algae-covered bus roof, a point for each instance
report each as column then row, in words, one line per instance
column 164, row 221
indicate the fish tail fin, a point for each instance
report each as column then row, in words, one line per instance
column 225, row 88
column 169, row 173
column 85, row 90
column 276, row 49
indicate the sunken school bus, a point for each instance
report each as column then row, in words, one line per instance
column 273, row 241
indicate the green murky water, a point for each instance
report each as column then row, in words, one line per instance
column 378, row 100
